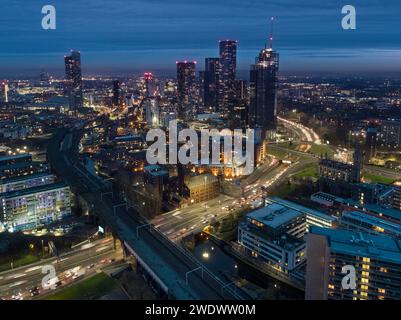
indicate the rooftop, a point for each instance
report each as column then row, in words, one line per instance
column 27, row 177
column 274, row 215
column 200, row 180
column 374, row 208
column 298, row 207
column 19, row 165
column 17, row 156
column 361, row 244
column 38, row 189
column 374, row 221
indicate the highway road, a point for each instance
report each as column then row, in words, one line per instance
column 181, row 222
column 306, row 134
column 170, row 262
column 70, row 267
column 388, row 173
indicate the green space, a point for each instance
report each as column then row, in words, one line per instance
column 374, row 178
column 308, row 171
column 18, row 262
column 321, row 149
column 91, row 288
column 278, row 153
column 289, row 145
column 283, row 190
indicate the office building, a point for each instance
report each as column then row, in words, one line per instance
column 185, row 88
column 73, row 77
column 116, row 101
column 263, row 90
column 149, row 84
column 376, row 259
column 227, row 75
column 313, row 217
column 274, row 235
column 5, row 90
column 211, row 84
column 364, row 222
column 202, row 188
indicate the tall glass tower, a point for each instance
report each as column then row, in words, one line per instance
column 263, row 90
column 211, row 83
column 228, row 63
column 185, row 86
column 73, row 76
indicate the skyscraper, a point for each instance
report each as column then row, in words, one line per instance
column 228, row 63
column 4, row 84
column 185, row 82
column 73, row 76
column 263, row 90
column 148, row 76
column 211, row 83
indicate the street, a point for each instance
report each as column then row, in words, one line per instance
column 72, row 266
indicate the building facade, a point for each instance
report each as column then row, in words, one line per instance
column 34, row 207
column 263, row 86
column 375, row 259
column 202, row 188
column 274, row 235
column 211, row 83
column 73, row 77
column 25, row 182
column 228, row 71
column 186, row 72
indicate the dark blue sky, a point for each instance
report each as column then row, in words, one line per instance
column 136, row 35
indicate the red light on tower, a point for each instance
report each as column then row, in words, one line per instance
column 148, row 76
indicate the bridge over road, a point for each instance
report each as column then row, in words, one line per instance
column 176, row 271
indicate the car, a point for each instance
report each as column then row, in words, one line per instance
column 17, row 296
column 33, row 289
column 34, row 293
column 77, row 276
column 92, row 265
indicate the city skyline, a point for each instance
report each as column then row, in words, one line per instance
column 140, row 35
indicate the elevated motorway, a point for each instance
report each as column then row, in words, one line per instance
column 174, row 270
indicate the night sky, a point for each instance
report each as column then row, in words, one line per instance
column 136, row 35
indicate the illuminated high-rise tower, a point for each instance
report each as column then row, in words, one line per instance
column 73, row 77
column 4, row 84
column 149, row 86
column 263, row 89
column 228, row 64
column 185, row 83
column 211, row 83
